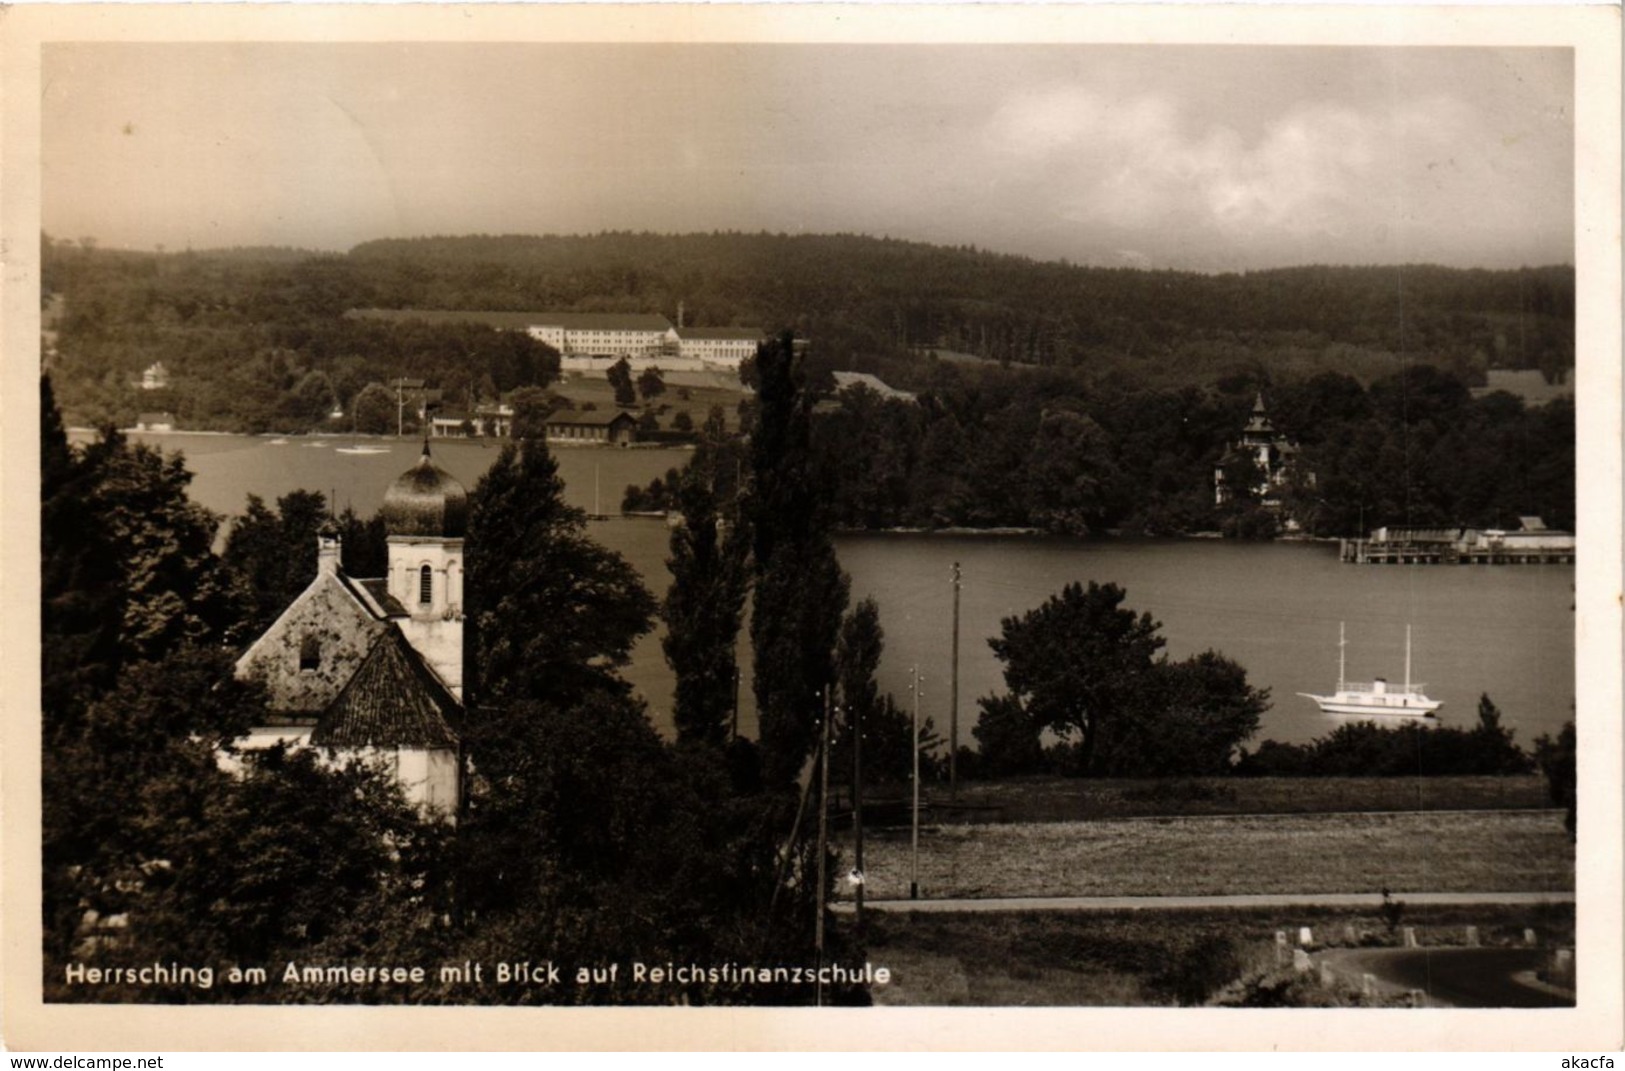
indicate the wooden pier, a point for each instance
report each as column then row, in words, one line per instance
column 1375, row 552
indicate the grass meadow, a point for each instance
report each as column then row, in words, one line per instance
column 1065, row 799
column 1490, row 851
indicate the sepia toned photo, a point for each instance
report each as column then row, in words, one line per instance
column 778, row 515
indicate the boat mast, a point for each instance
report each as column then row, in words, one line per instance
column 1342, row 654
column 1407, row 658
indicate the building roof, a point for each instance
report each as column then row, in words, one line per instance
column 502, row 321
column 522, row 321
column 848, row 380
column 1259, row 422
column 374, row 595
column 1391, row 534
column 722, row 334
column 596, row 418
column 155, row 418
column 425, row 500
column 392, row 700
column 601, row 321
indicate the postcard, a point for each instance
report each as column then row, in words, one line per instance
column 789, row 526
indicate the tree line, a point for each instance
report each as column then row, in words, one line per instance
column 1050, row 450
column 271, row 324
column 885, row 294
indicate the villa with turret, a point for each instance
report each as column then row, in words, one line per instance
column 373, row 668
column 1272, row 455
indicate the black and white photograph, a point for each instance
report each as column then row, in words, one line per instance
column 731, row 510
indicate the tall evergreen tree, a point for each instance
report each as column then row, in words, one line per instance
column 365, row 544
column 173, row 587
column 800, row 591
column 888, row 732
column 702, row 612
column 81, row 600
column 858, row 658
column 274, row 551
column 549, row 614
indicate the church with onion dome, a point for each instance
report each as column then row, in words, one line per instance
column 373, row 668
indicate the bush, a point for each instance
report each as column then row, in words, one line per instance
column 1008, row 739
column 1366, row 749
column 1199, row 971
column 1556, row 760
column 658, row 497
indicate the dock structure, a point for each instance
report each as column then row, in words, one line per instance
column 1533, row 544
column 1372, row 552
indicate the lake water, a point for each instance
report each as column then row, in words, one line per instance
column 1274, row 607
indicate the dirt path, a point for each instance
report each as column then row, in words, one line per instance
column 1175, row 903
column 1455, row 977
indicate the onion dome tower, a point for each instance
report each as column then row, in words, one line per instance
column 425, row 515
column 426, row 502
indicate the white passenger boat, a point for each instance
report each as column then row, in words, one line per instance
column 1377, row 699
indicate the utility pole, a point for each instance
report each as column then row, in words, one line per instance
column 735, row 735
column 823, row 842
column 953, row 703
column 914, row 833
column 855, row 713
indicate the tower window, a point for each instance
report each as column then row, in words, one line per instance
column 310, row 652
column 425, row 585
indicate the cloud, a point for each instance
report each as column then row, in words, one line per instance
column 1315, row 170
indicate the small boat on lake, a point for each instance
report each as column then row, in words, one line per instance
column 362, row 449
column 1377, row 699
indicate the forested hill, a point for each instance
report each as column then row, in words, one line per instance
column 257, row 339
column 1123, row 391
column 876, row 294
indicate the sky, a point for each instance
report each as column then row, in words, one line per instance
column 1208, row 158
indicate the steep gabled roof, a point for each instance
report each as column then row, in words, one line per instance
column 342, row 621
column 393, row 700
column 374, row 594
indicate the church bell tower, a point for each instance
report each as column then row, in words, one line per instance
column 425, row 514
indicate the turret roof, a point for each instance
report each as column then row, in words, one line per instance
column 425, row 500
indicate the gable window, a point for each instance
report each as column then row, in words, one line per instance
column 310, row 652
column 425, row 585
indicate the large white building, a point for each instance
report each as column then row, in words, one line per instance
column 635, row 336
column 592, row 341
column 725, row 346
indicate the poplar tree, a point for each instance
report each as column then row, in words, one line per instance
column 702, row 612
column 619, row 375
column 800, row 590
